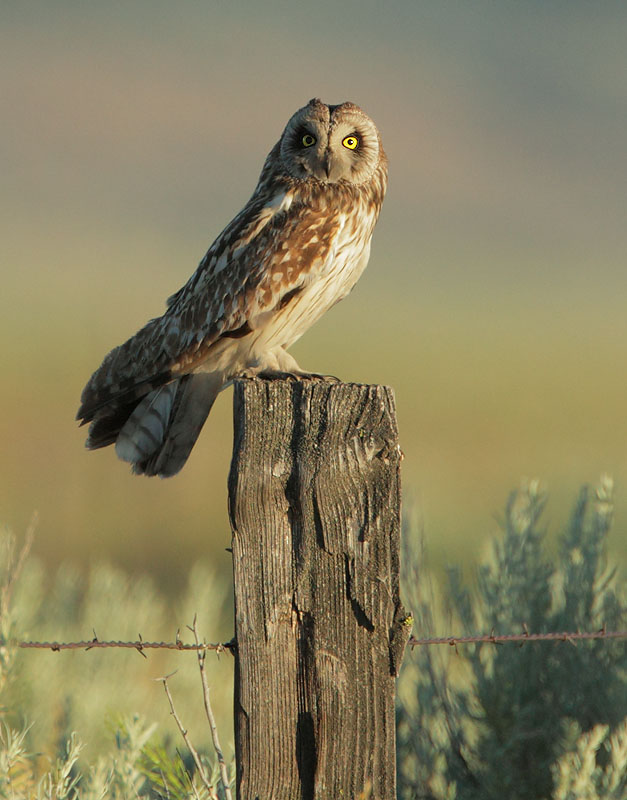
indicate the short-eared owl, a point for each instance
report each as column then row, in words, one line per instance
column 296, row 248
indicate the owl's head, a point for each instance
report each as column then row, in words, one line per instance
column 331, row 144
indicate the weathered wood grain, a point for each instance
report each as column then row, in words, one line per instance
column 314, row 495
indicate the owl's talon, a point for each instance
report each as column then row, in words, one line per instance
column 316, row 376
column 277, row 375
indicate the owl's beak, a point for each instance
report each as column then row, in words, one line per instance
column 332, row 167
column 327, row 164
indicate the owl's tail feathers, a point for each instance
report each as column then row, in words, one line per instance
column 159, row 435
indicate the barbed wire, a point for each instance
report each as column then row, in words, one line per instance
column 525, row 636
column 139, row 645
column 453, row 641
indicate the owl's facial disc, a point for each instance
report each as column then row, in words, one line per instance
column 330, row 144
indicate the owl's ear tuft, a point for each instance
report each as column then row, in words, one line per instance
column 316, row 102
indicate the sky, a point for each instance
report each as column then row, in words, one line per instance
column 494, row 302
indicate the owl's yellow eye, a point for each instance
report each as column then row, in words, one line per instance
column 308, row 140
column 351, row 142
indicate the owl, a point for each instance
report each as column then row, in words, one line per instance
column 296, row 248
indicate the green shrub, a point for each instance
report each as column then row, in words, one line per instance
column 514, row 721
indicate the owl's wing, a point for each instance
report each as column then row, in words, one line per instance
column 263, row 257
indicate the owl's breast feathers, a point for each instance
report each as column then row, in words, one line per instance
column 304, row 239
column 289, row 237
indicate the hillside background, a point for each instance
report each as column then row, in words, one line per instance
column 495, row 298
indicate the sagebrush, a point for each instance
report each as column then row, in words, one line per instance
column 542, row 720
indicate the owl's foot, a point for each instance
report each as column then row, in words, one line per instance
column 277, row 375
column 316, row 376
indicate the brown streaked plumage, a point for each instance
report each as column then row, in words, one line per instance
column 297, row 247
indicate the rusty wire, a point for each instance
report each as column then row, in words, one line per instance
column 453, row 641
column 139, row 645
column 492, row 638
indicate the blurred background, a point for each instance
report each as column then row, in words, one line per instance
column 494, row 302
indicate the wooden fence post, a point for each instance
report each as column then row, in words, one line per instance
column 314, row 500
